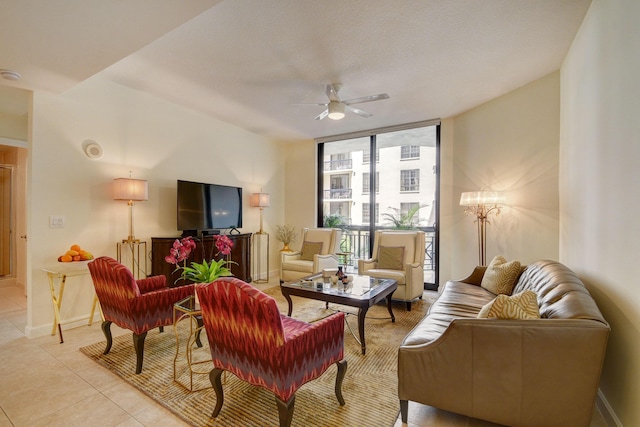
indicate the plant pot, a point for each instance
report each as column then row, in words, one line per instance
column 286, row 248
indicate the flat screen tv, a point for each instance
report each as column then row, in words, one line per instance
column 207, row 208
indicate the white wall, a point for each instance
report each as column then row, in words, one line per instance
column 157, row 141
column 509, row 144
column 599, row 176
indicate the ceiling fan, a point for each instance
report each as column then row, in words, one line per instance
column 336, row 107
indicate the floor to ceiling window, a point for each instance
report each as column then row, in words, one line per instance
column 395, row 188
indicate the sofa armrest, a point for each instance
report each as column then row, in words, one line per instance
column 511, row 372
column 475, row 278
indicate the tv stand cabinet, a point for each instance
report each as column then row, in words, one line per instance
column 241, row 254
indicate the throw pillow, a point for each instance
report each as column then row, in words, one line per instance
column 523, row 305
column 391, row 257
column 501, row 276
column 309, row 249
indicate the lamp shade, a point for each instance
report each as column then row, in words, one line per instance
column 480, row 198
column 130, row 189
column 259, row 200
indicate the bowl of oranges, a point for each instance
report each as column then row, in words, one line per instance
column 75, row 253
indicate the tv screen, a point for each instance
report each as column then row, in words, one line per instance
column 204, row 206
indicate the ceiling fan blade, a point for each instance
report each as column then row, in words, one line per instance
column 322, row 115
column 358, row 111
column 366, row 99
column 322, row 104
column 332, row 92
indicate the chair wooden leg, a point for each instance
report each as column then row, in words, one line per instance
column 161, row 329
column 106, row 330
column 215, row 377
column 404, row 410
column 408, row 305
column 342, row 370
column 138, row 345
column 285, row 410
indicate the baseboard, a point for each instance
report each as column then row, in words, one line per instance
column 44, row 330
column 610, row 417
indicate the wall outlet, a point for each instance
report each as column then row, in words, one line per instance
column 56, row 221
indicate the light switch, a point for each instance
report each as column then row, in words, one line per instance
column 56, row 221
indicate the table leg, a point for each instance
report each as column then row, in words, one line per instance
column 362, row 314
column 57, row 302
column 288, row 298
column 393, row 318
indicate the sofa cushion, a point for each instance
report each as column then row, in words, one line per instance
column 391, row 258
column 523, row 305
column 457, row 300
column 309, row 249
column 501, row 276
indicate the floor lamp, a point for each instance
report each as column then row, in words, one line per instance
column 480, row 204
column 260, row 200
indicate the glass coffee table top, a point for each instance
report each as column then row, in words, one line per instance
column 360, row 286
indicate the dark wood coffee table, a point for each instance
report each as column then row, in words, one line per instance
column 364, row 292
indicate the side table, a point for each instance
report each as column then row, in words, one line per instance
column 61, row 272
column 188, row 309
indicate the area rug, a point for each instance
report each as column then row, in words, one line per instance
column 369, row 388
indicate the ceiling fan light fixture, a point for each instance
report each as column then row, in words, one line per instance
column 336, row 110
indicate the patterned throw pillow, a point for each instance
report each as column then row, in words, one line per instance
column 501, row 276
column 309, row 249
column 391, row 257
column 523, row 305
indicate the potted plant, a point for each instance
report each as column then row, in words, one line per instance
column 206, row 271
column 286, row 234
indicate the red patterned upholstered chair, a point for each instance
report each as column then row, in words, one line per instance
column 137, row 305
column 251, row 339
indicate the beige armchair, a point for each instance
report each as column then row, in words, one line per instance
column 398, row 255
column 317, row 252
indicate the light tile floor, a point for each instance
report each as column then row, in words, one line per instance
column 45, row 383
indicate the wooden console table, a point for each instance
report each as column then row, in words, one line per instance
column 241, row 254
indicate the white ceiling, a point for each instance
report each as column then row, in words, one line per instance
column 249, row 62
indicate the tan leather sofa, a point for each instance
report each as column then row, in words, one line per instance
column 542, row 372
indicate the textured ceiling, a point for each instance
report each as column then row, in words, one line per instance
column 251, row 62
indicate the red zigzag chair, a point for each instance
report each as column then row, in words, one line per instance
column 137, row 305
column 251, row 339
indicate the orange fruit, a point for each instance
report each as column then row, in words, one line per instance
column 75, row 248
column 72, row 253
column 66, row 258
column 76, row 258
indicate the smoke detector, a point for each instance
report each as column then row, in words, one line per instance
column 10, row 75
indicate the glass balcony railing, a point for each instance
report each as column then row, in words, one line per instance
column 338, row 165
column 338, row 194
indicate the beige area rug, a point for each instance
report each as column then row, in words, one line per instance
column 369, row 388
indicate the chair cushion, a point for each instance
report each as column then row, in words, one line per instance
column 397, row 275
column 391, row 257
column 309, row 249
column 406, row 240
column 320, row 235
column 501, row 276
column 523, row 305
